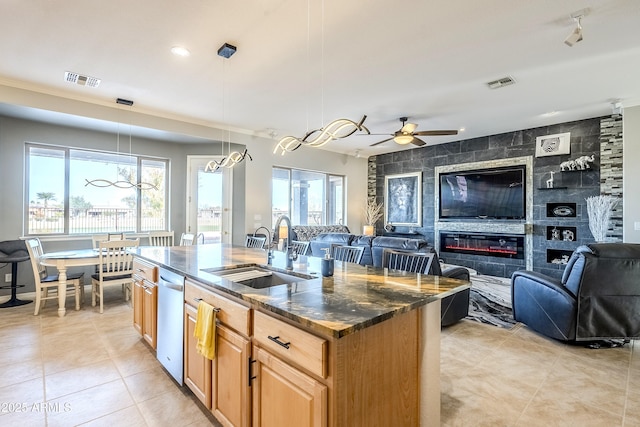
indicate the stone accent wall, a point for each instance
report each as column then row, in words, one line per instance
column 611, row 169
column 585, row 140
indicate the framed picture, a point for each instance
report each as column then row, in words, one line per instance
column 553, row 145
column 403, row 199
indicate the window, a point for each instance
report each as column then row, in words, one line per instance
column 60, row 201
column 306, row 197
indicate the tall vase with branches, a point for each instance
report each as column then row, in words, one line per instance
column 372, row 213
column 599, row 209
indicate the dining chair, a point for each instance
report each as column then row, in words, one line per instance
column 414, row 262
column 105, row 237
column 161, row 238
column 299, row 247
column 254, row 242
column 115, row 268
column 44, row 281
column 187, row 239
column 347, row 253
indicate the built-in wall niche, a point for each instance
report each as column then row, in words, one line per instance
column 561, row 210
column 558, row 256
column 555, row 232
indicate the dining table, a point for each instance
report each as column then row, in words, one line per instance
column 62, row 261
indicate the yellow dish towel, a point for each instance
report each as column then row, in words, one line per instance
column 205, row 330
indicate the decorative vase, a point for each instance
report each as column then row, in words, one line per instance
column 368, row 230
column 599, row 209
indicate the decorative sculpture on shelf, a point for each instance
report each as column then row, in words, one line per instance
column 550, row 181
column 581, row 163
column 568, row 235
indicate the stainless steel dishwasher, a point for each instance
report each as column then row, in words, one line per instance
column 171, row 322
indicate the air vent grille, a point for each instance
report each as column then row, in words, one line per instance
column 504, row 81
column 81, row 80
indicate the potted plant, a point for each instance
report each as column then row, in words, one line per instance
column 372, row 213
column 599, row 209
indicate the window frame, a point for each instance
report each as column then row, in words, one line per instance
column 66, row 150
column 328, row 202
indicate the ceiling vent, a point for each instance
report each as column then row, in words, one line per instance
column 81, row 80
column 505, row 81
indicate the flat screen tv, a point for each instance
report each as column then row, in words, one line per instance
column 497, row 193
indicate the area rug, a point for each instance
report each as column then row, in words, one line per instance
column 490, row 301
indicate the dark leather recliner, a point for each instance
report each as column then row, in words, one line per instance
column 597, row 298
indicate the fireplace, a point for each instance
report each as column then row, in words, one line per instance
column 487, row 244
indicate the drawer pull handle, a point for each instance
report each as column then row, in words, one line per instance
column 277, row 341
column 216, row 309
column 140, row 270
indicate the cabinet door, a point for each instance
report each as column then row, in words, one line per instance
column 149, row 310
column 284, row 396
column 137, row 304
column 197, row 368
column 230, row 378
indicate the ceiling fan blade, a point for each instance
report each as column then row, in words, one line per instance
column 378, row 143
column 436, row 132
column 409, row 128
column 418, row 142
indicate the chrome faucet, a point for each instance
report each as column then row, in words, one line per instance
column 269, row 243
column 291, row 256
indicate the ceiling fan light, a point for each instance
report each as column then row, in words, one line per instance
column 403, row 139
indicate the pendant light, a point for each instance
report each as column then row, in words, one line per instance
column 337, row 129
column 103, row 183
column 233, row 158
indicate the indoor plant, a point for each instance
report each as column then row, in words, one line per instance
column 372, row 213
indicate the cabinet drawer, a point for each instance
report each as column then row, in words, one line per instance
column 232, row 314
column 291, row 343
column 145, row 270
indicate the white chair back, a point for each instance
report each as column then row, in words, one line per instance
column 254, row 242
column 161, row 238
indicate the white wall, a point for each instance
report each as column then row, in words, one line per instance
column 631, row 173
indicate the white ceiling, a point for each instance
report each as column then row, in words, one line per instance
column 302, row 64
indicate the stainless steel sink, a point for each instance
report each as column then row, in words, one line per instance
column 257, row 277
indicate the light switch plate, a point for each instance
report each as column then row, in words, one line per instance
column 636, row 225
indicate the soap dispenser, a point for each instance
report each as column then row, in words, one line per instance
column 327, row 263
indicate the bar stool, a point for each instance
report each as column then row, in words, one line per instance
column 13, row 251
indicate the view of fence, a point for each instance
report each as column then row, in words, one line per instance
column 88, row 221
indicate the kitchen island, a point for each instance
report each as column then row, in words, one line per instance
column 373, row 334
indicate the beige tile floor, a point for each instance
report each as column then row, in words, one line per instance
column 94, row 370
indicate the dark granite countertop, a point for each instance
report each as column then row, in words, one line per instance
column 354, row 298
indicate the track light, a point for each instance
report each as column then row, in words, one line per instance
column 576, row 34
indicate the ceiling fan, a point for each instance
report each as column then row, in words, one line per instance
column 406, row 134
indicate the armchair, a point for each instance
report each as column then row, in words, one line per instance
column 597, row 298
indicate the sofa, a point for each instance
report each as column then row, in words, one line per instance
column 597, row 298
column 454, row 307
column 306, row 233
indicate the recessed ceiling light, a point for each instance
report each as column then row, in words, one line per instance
column 180, row 51
column 550, row 114
column 462, row 129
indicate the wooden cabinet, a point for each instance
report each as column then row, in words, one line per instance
column 222, row 384
column 284, row 396
column 145, row 300
column 230, row 395
column 150, row 313
column 197, row 368
column 270, row 371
